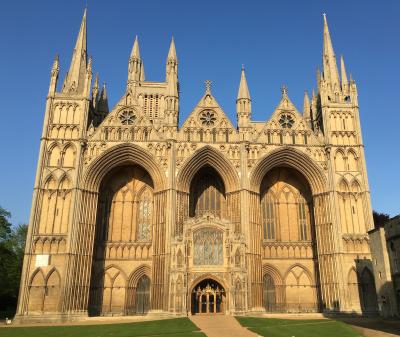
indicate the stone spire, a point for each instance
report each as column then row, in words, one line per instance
column 331, row 74
column 345, row 82
column 172, row 60
column 306, row 106
column 95, row 91
column 243, row 92
column 75, row 79
column 102, row 106
column 54, row 76
column 243, row 102
column 135, row 65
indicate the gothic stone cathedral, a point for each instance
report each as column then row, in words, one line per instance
column 134, row 214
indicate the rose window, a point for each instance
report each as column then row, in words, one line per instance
column 286, row 121
column 208, row 118
column 127, row 117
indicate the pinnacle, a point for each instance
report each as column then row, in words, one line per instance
column 135, row 50
column 172, row 50
column 243, row 92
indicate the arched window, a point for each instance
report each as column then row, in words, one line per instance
column 143, row 295
column 207, row 195
column 268, row 217
column 269, row 293
column 145, row 216
column 302, row 220
column 208, row 247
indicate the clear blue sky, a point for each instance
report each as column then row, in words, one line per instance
column 279, row 42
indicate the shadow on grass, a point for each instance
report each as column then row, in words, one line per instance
column 180, row 327
column 275, row 327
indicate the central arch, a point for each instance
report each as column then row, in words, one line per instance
column 207, row 156
column 208, row 296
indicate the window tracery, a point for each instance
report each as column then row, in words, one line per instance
column 208, row 118
column 208, row 247
column 144, row 217
column 286, row 121
column 127, row 117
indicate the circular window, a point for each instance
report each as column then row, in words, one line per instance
column 208, row 118
column 286, row 121
column 127, row 117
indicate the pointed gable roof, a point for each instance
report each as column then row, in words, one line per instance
column 208, row 114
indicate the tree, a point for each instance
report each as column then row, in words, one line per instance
column 12, row 245
column 380, row 219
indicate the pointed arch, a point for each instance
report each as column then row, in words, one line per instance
column 340, row 160
column 37, row 286
column 52, row 291
column 292, row 158
column 54, row 155
column 138, row 292
column 119, row 155
column 207, row 155
column 273, row 294
column 343, row 186
column 69, row 154
column 352, row 160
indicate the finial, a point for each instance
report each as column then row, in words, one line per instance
column 242, row 66
column 208, row 87
column 284, row 90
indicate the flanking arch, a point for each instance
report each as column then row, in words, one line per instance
column 120, row 155
column 273, row 289
column 292, row 158
column 207, row 156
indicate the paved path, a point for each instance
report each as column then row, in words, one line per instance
column 221, row 326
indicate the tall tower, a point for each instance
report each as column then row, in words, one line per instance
column 50, row 242
column 338, row 115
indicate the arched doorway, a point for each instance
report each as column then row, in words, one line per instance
column 142, row 299
column 208, row 297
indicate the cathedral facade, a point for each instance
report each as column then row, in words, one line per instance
column 134, row 213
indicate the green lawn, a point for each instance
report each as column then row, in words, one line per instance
column 274, row 327
column 180, row 327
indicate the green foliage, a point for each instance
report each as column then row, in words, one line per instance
column 274, row 327
column 179, row 327
column 12, row 244
column 380, row 219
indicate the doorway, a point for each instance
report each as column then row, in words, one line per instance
column 208, row 298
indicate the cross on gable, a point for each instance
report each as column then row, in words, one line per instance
column 208, row 87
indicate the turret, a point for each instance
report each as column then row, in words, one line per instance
column 172, row 95
column 243, row 102
column 54, row 76
column 102, row 106
column 75, row 81
column 135, row 65
column 172, row 60
column 307, row 109
column 345, row 83
column 95, row 91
